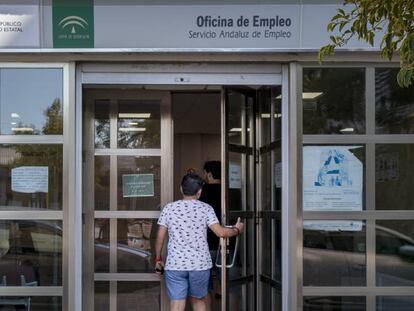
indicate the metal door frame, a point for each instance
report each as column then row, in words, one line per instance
column 183, row 77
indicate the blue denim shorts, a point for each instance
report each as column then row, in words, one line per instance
column 181, row 284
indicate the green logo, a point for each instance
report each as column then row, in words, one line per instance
column 73, row 24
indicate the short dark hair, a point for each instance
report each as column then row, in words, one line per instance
column 213, row 167
column 191, row 184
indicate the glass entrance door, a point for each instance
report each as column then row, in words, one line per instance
column 127, row 178
column 252, row 162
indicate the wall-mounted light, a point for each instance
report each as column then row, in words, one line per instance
column 22, row 129
column 132, row 129
column 134, row 115
column 347, row 130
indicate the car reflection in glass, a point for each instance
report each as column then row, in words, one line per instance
column 31, row 253
column 334, row 255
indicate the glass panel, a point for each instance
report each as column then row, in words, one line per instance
column 240, row 118
column 139, row 183
column 28, row 303
column 102, row 124
column 139, row 296
column 395, row 303
column 334, row 253
column 139, row 124
column 239, row 175
column 102, row 233
column 136, row 239
column 333, row 100
column 333, row 178
column 102, row 166
column 239, row 298
column 394, row 170
column 394, row 105
column 31, row 177
column 101, row 296
column 267, row 97
column 31, row 101
column 395, row 252
column 30, row 253
column 334, row 303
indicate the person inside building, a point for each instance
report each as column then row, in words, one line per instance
column 187, row 269
column 211, row 195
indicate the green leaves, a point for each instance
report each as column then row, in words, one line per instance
column 365, row 18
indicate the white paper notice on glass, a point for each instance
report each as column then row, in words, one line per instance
column 332, row 179
column 234, row 176
column 30, row 179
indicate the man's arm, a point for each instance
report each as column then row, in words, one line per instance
column 159, row 243
column 225, row 232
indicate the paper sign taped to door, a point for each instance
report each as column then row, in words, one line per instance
column 30, row 179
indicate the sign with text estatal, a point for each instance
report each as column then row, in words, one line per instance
column 19, row 26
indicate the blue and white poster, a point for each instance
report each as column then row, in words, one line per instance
column 332, row 179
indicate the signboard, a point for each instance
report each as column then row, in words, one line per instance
column 138, row 185
column 73, row 24
column 19, row 26
column 201, row 26
column 234, row 176
column 332, row 179
column 30, row 179
column 333, row 225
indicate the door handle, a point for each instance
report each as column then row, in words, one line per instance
column 231, row 265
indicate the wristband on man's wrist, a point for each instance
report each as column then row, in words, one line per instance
column 158, row 258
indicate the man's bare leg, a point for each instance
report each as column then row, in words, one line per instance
column 198, row 304
column 208, row 300
column 177, row 305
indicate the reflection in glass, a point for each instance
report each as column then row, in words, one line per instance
column 334, row 253
column 395, row 303
column 102, row 124
column 395, row 252
column 31, row 101
column 394, row 105
column 139, row 124
column 333, row 100
column 136, row 238
column 30, row 253
column 333, row 178
column 30, row 177
column 238, row 298
column 102, row 165
column 240, row 118
column 130, row 197
column 36, row 303
column 394, row 171
column 334, row 303
column 102, row 296
column 266, row 98
column 138, row 296
column 101, row 251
